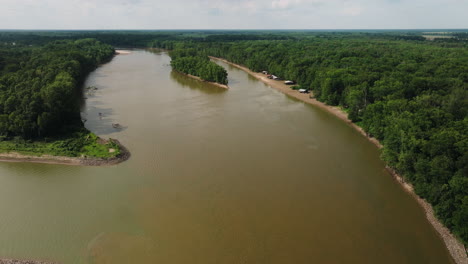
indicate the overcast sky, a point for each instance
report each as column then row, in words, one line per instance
column 233, row 14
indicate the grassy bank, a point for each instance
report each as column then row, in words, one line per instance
column 77, row 144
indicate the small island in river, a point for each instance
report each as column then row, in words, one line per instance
column 198, row 66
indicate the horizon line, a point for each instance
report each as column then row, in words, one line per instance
column 231, row 29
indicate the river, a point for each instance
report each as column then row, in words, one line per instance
column 245, row 175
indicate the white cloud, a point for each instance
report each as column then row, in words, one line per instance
column 283, row 4
column 161, row 14
column 352, row 11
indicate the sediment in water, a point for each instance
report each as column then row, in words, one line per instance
column 454, row 246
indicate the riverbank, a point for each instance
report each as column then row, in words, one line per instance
column 456, row 249
column 122, row 52
column 201, row 80
column 286, row 89
column 124, row 155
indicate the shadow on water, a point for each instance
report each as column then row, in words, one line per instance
column 155, row 51
column 233, row 80
column 193, row 84
column 101, row 120
column 89, row 92
column 33, row 170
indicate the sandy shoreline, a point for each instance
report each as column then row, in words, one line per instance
column 201, row 80
column 286, row 89
column 74, row 161
column 122, row 52
column 455, row 247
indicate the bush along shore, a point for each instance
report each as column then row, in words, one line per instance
column 81, row 148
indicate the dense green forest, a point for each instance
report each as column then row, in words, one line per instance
column 39, row 86
column 406, row 91
column 40, row 94
column 189, row 61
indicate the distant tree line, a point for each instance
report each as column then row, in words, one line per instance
column 40, row 86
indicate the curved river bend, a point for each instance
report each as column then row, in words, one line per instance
column 245, row 175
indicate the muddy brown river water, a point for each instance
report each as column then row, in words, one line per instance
column 245, row 175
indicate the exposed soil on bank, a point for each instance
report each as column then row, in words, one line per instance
column 77, row 161
column 122, row 52
column 307, row 98
column 201, row 80
column 454, row 246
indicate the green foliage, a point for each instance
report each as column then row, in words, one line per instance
column 188, row 61
column 39, row 88
column 77, row 144
column 39, row 98
column 93, row 148
column 296, row 87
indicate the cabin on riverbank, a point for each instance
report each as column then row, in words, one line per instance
column 273, row 77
